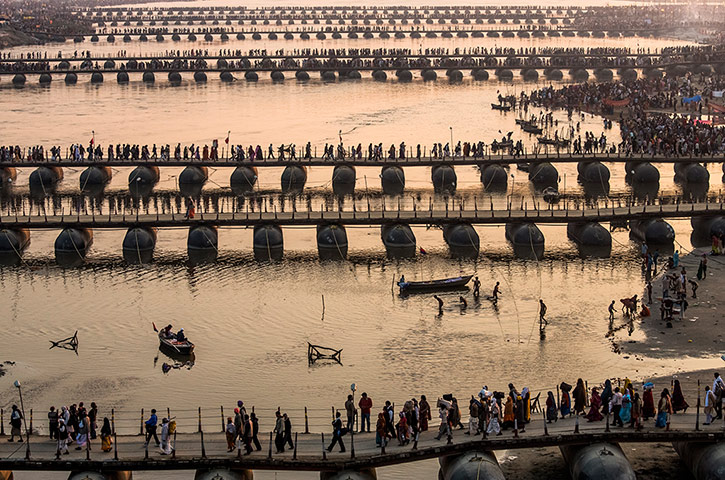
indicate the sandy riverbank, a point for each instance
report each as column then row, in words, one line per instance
column 649, row 462
column 698, row 335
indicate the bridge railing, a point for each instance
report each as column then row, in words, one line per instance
column 411, row 157
column 70, row 208
column 130, row 421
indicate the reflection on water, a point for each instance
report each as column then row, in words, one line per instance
column 251, row 320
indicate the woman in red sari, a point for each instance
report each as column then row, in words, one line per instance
column 595, row 403
column 648, row 409
column 424, row 413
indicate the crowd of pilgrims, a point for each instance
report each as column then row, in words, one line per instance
column 645, row 127
column 384, row 57
column 699, row 53
column 78, row 152
column 641, row 17
column 489, row 413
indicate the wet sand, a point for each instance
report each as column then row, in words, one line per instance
column 698, row 335
column 649, row 461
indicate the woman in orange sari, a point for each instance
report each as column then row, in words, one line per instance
column 508, row 412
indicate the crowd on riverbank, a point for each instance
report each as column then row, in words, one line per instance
column 645, row 128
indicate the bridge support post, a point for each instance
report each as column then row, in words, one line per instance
column 294, row 452
column 307, row 423
column 597, row 460
column 704, row 460
column 140, row 428
column 364, row 474
column 576, row 424
column 471, row 465
column 2, row 419
column 203, row 449
column 221, row 408
column 224, row 474
column 269, row 453
column 324, row 450
column 697, row 414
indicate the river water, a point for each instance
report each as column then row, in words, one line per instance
column 251, row 321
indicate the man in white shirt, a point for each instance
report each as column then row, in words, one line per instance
column 615, row 406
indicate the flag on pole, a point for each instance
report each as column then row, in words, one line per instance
column 93, row 138
column 422, row 251
column 155, row 329
column 227, row 139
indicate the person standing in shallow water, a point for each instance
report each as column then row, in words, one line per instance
column 440, row 304
column 476, row 287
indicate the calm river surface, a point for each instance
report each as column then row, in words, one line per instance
column 251, row 321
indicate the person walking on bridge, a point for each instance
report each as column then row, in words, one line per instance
column 279, row 432
column 150, row 425
column 16, row 422
column 288, row 431
column 337, row 434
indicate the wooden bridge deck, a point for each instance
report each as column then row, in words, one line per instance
column 414, row 216
column 410, row 161
column 129, row 452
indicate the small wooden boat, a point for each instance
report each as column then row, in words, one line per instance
column 172, row 346
column 562, row 142
column 433, row 285
column 501, row 145
column 503, row 108
column 531, row 128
